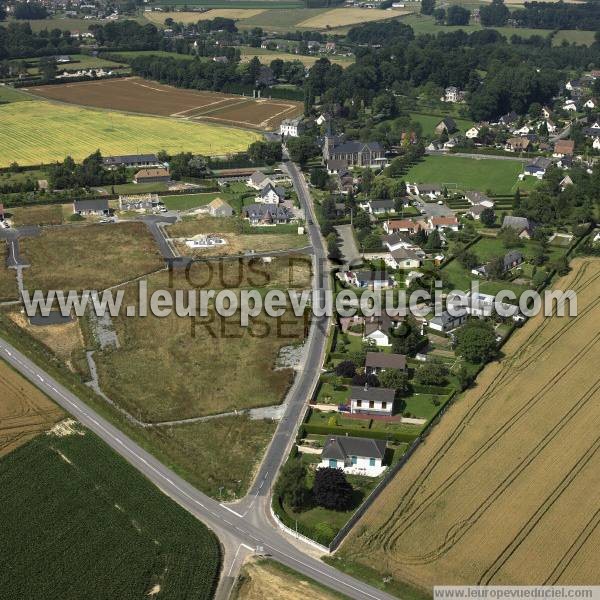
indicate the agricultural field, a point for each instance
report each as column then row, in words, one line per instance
column 343, row 17
column 8, row 280
column 133, row 94
column 8, row 94
column 89, row 257
column 158, row 18
column 585, row 38
column 24, row 410
column 476, row 508
column 266, row 56
column 78, row 61
column 88, row 524
column 208, row 365
column 42, row 132
column 266, row 579
column 495, row 175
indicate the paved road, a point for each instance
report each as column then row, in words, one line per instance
column 11, row 236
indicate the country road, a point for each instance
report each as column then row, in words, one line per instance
column 246, row 524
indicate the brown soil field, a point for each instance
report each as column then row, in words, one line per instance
column 133, row 94
column 24, row 410
column 506, row 488
column 265, row 580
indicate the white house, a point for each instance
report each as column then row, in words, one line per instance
column 396, row 241
column 446, row 322
column 403, row 258
column 453, row 94
column 258, row 180
column 596, row 143
column 570, row 106
column 378, row 362
column 444, row 223
column 424, row 189
column 472, row 133
column 372, row 280
column 365, row 400
column 271, row 195
column 355, row 456
column 321, row 119
column 291, row 127
column 525, row 130
column 591, row 103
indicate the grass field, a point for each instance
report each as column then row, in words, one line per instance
column 158, row 18
column 79, row 61
column 513, row 466
column 89, row 257
column 45, row 214
column 585, row 38
column 428, row 122
column 42, row 132
column 133, row 94
column 8, row 280
column 189, row 201
column 88, row 524
column 8, row 94
column 266, row 56
column 24, row 410
column 266, row 579
column 497, row 175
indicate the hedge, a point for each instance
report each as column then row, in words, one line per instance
column 366, row 433
column 435, row 390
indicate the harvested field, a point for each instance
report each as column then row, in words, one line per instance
column 8, row 278
column 512, row 468
column 24, row 410
column 193, row 17
column 89, row 257
column 342, row 17
column 134, row 94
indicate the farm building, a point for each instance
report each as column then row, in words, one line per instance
column 152, row 176
column 355, row 456
column 97, row 207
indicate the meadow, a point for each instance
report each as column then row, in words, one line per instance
column 429, row 121
column 266, row 56
column 487, row 174
column 24, row 410
column 42, row 132
column 8, row 94
column 476, row 508
column 88, row 525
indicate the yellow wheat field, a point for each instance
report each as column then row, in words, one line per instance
column 340, row 17
column 506, row 488
column 194, row 17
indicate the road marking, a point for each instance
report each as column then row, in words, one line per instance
column 237, row 514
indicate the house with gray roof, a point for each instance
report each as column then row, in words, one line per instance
column 355, row 153
column 271, row 194
column 131, row 160
column 264, row 215
column 537, row 167
column 371, row 400
column 377, row 362
column 98, row 207
column 355, row 456
column 258, row 180
column 521, row 225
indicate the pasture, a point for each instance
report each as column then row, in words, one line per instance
column 266, row 56
column 88, row 525
column 486, row 174
column 44, row 214
column 513, row 466
column 24, row 410
column 89, row 257
column 8, row 94
column 43, row 132
column 133, row 94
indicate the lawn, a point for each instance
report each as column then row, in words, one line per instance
column 497, row 175
column 8, row 279
column 573, row 36
column 266, row 56
column 92, row 257
column 88, row 524
column 428, row 122
column 130, row 54
column 78, row 61
column 42, row 132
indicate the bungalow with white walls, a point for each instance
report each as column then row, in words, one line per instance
column 355, row 456
column 365, row 400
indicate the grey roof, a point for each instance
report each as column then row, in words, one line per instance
column 337, row 164
column 444, row 319
column 426, row 188
column 371, row 276
column 258, row 177
column 126, row 159
column 510, row 117
column 270, row 187
column 351, row 147
column 97, row 204
column 358, row 392
column 385, row 360
column 540, row 162
column 267, row 211
column 343, row 447
column 518, row 223
column 404, row 254
column 385, row 204
column 476, row 197
column 394, row 238
column 449, row 122
column 477, row 209
column 512, row 257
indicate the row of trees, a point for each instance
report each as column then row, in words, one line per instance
column 17, row 40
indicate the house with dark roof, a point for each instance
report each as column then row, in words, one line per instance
column 152, row 176
column 131, row 160
column 355, row 153
column 377, row 362
column 365, row 400
column 537, row 167
column 271, row 194
column 258, row 180
column 404, row 258
column 447, row 322
column 381, row 207
column 264, row 215
column 521, row 225
column 355, row 456
column 508, row 119
column 98, row 207
column 446, row 125
column 479, row 198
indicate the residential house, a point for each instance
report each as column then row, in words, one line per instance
column 563, row 148
column 570, row 106
column 521, row 225
column 453, row 94
column 395, row 241
column 377, row 330
column 337, row 167
column 98, row 207
column 404, row 258
column 381, row 207
column 355, row 153
column 512, row 259
column 446, row 125
column 524, row 130
column 444, row 223
column 591, row 103
column 152, row 176
column 517, row 144
column 371, row 400
column 219, row 208
column 424, row 189
column 537, row 167
column 476, row 210
column 446, row 322
column 593, row 130
column 377, row 362
column 574, row 84
column 565, row 182
column 139, row 202
column 291, row 127
column 472, row 133
column 271, row 194
column 131, row 160
column 550, row 126
column 596, row 143
column 267, row 214
column 475, row 198
column 373, row 280
column 546, row 112
column 258, row 180
column 404, row 226
column 355, row 456
column 508, row 119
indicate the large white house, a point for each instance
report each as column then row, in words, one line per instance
column 355, row 456
column 291, row 127
column 365, row 400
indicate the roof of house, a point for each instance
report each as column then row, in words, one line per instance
column 444, row 319
column 270, row 187
column 477, row 209
column 449, row 122
column 427, row 188
column 518, row 223
column 404, row 224
column 476, row 197
column 265, row 211
column 405, row 254
column 152, row 173
column 518, row 142
column 96, row 204
column 219, row 203
column 541, row 163
column 352, row 147
column 512, row 257
column 510, row 117
column 385, row 360
column 440, row 221
column 564, row 147
column 359, row 392
column 258, row 177
column 395, row 238
column 129, row 158
column 381, row 203
column 343, row 447
column 371, row 276
column 337, row 164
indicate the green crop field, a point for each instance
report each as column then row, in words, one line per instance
column 497, row 175
column 41, row 132
column 79, row 522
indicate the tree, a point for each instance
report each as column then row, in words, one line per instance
column 302, row 149
column 261, row 151
column 331, row 489
column 427, row 7
column 291, row 485
column 457, row 15
column 433, row 372
column 467, row 258
column 476, row 341
column 434, row 241
column 319, row 178
column 332, row 247
column 510, row 238
column 495, row 268
column 395, row 379
column 488, row 217
column 47, row 67
column 345, row 368
column 494, row 15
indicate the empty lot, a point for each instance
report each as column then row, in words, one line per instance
column 513, row 467
column 134, row 94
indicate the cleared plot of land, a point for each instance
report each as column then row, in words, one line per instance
column 209, row 365
column 89, row 257
column 266, row 56
column 8, row 280
column 194, row 17
column 42, row 132
column 80, row 522
column 24, row 410
column 514, row 466
column 48, row 214
column 266, row 579
column 496, row 175
column 138, row 95
column 341, row 17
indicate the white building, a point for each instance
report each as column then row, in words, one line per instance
column 291, row 127
column 472, row 133
column 367, row 400
column 453, row 94
column 355, row 456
